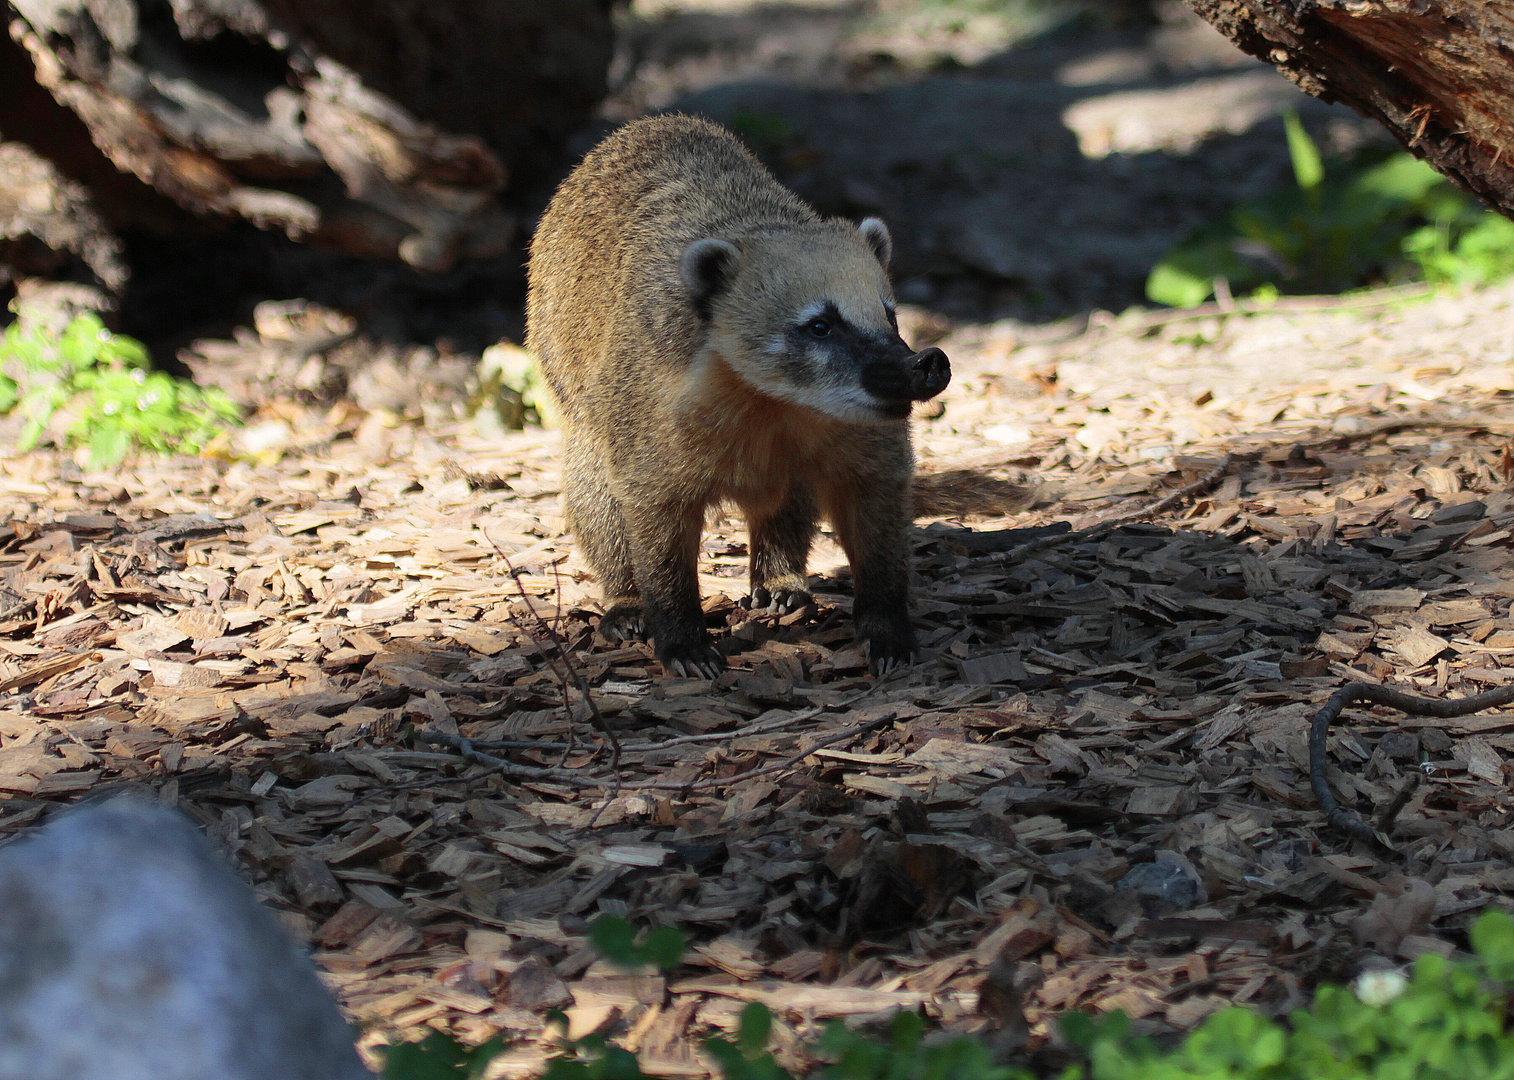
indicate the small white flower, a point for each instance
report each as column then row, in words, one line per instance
column 1379, row 987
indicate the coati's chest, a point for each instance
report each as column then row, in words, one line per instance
column 743, row 446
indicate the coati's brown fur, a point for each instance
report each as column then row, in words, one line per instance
column 710, row 338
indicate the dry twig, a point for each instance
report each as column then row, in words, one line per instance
column 562, row 666
column 1412, row 704
column 528, row 772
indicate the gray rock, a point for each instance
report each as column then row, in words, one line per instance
column 130, row 951
column 1163, row 886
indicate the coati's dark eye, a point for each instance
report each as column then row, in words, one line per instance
column 818, row 327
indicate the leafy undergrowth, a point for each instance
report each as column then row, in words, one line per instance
column 1343, row 226
column 1444, row 1020
column 89, row 387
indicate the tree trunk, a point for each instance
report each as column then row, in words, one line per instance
column 1439, row 74
column 383, row 128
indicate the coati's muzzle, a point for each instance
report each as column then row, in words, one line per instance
column 916, row 377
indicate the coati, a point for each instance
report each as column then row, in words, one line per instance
column 710, row 338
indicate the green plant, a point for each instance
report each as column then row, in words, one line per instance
column 1340, row 227
column 89, row 387
column 747, row 1056
column 1447, row 1021
column 905, row 1056
column 618, row 942
column 592, row 1057
column 1463, row 244
column 439, row 1057
column 510, row 381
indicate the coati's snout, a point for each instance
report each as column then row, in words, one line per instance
column 931, row 371
column 917, row 377
column 897, row 382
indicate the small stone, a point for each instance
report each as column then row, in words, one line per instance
column 1162, row 887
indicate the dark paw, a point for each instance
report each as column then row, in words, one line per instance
column 889, row 653
column 778, row 601
column 624, row 622
column 694, row 660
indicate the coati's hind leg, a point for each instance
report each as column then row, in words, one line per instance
column 780, row 546
column 665, row 545
column 600, row 531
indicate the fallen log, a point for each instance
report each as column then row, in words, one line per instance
column 396, row 129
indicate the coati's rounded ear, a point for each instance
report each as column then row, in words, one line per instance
column 707, row 267
column 876, row 234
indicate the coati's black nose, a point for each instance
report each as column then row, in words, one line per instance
column 930, row 371
column 907, row 377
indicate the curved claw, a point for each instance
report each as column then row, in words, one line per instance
column 885, row 659
column 777, row 601
column 623, row 622
column 697, row 660
column 788, row 601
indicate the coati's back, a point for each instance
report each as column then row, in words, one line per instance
column 606, row 309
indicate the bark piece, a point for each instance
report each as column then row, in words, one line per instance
column 385, row 130
column 49, row 226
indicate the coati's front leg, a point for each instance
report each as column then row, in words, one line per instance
column 665, row 548
column 871, row 519
column 599, row 528
column 780, row 546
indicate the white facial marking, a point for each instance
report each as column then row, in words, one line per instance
column 841, row 400
column 812, row 311
column 853, row 315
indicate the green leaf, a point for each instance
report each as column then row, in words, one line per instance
column 726, row 1054
column 1175, row 285
column 1401, row 177
column 1308, row 168
column 663, row 947
column 31, row 434
column 1493, row 938
column 904, row 1032
column 753, row 1028
column 615, row 940
column 478, row 1057
column 436, row 1057
column 1078, row 1029
column 108, row 446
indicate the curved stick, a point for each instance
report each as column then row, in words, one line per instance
column 1412, row 704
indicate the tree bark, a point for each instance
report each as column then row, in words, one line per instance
column 1439, row 74
column 383, row 128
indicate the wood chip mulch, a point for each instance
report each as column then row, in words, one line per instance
column 1092, row 794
